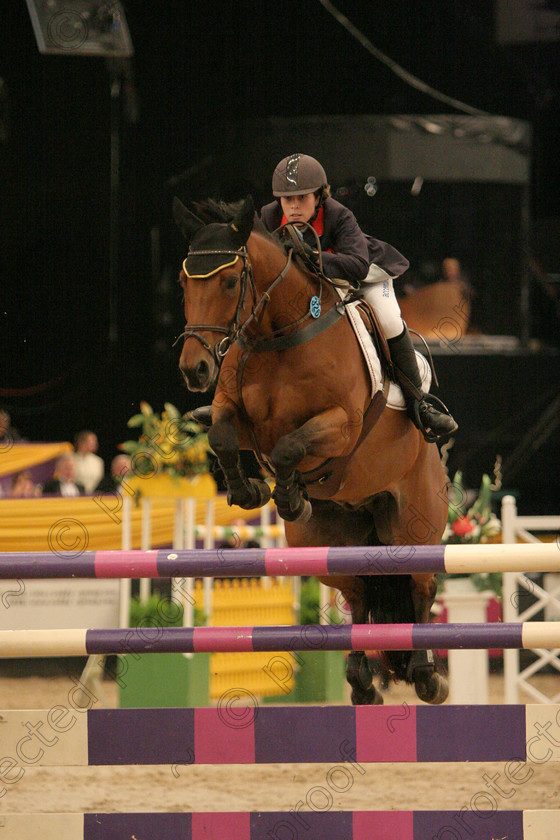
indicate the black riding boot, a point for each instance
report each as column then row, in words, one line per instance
column 432, row 423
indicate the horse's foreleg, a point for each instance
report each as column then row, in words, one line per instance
column 430, row 686
column 324, row 436
column 247, row 493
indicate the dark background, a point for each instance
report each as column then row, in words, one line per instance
column 197, row 67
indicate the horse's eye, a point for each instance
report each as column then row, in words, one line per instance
column 231, row 281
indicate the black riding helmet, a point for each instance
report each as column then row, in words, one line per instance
column 298, row 174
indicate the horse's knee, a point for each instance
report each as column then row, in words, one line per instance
column 288, row 452
column 222, row 437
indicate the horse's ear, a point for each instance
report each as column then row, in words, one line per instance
column 186, row 221
column 242, row 224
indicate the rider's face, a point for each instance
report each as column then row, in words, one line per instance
column 299, row 208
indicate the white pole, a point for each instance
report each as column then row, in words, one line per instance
column 208, row 583
column 266, row 541
column 189, row 541
column 510, row 604
column 324, row 603
column 145, row 544
column 126, row 545
column 468, row 669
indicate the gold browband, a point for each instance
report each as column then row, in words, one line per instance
column 210, row 273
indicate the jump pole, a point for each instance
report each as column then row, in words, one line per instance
column 259, row 562
column 236, row 734
column 83, row 642
column 255, row 825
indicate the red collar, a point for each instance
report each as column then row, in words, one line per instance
column 317, row 223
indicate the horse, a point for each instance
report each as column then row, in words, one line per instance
column 291, row 384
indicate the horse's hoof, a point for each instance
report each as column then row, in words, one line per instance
column 260, row 491
column 434, row 690
column 371, row 697
column 301, row 514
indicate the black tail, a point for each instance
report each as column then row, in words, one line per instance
column 389, row 601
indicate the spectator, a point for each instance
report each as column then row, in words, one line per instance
column 121, row 466
column 452, row 272
column 63, row 481
column 8, row 434
column 90, row 468
column 23, row 486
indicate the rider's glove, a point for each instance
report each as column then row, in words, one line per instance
column 310, row 253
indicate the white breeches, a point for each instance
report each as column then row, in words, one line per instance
column 377, row 289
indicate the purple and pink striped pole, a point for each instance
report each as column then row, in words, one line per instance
column 257, row 562
column 264, row 825
column 81, row 642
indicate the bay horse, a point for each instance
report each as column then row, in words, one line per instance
column 292, row 385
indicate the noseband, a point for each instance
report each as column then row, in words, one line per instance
column 235, row 329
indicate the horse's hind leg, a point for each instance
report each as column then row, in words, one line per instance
column 430, row 686
column 358, row 671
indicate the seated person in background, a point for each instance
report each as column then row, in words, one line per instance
column 121, row 466
column 23, row 486
column 452, row 272
column 90, row 468
column 62, row 483
column 8, row 434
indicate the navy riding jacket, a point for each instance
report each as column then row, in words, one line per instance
column 347, row 251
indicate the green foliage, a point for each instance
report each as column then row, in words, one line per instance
column 160, row 611
column 310, row 603
column 473, row 525
column 169, row 443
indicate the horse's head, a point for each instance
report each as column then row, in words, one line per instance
column 214, row 279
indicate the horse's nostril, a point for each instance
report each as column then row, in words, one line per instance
column 202, row 370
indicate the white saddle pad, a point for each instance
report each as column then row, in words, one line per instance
column 395, row 398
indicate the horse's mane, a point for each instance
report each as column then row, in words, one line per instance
column 211, row 210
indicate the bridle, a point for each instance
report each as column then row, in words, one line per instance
column 219, row 350
column 279, row 339
column 234, row 331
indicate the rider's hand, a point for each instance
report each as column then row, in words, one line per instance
column 311, row 254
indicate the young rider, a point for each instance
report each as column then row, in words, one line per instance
column 302, row 193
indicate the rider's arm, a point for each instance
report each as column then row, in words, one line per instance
column 350, row 260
